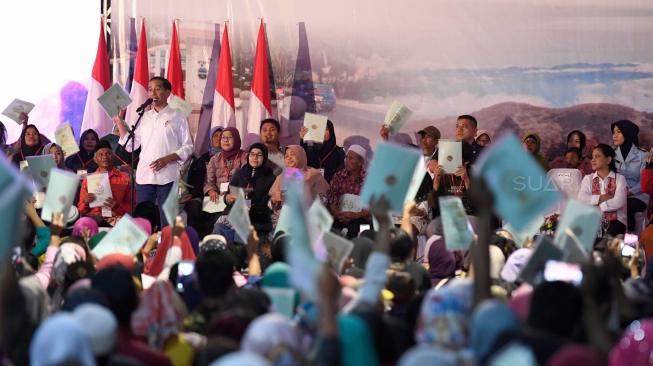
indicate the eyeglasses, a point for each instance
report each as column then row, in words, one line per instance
column 255, row 155
column 226, row 138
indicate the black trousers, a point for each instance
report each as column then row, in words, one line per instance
column 634, row 206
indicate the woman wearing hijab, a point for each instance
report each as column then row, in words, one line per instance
column 314, row 182
column 442, row 263
column 483, row 138
column 606, row 189
column 490, row 320
column 61, row 340
column 57, row 152
column 192, row 201
column 575, row 140
column 255, row 178
column 532, row 143
column 630, row 161
column 327, row 157
column 443, row 325
column 30, row 145
column 159, row 318
column 276, row 338
column 82, row 163
column 224, row 164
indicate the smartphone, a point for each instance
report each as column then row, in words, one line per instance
column 184, row 269
column 563, row 271
column 627, row 250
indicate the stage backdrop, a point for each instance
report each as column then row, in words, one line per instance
column 548, row 67
column 48, row 50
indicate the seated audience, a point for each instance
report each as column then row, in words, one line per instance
column 255, row 179
column 269, row 132
column 30, row 145
column 575, row 140
column 314, row 183
column 192, row 200
column 630, row 160
column 483, row 138
column 82, row 162
column 532, row 143
column 348, row 181
column 224, row 164
column 57, row 152
column 119, row 203
column 606, row 189
column 327, row 157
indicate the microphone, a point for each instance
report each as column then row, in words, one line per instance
column 144, row 105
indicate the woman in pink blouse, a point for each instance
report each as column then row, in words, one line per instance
column 224, row 165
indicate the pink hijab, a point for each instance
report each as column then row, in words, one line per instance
column 85, row 223
column 313, row 180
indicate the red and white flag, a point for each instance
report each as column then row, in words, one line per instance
column 224, row 114
column 260, row 106
column 175, row 75
column 94, row 115
column 139, row 92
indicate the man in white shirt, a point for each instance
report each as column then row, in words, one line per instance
column 165, row 142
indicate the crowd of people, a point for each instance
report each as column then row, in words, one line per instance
column 197, row 293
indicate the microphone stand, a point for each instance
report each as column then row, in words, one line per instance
column 131, row 163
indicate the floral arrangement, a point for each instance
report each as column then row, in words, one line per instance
column 550, row 224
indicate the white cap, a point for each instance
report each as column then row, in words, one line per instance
column 359, row 150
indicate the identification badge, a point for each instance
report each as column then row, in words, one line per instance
column 322, row 172
column 224, row 187
column 82, row 173
column 106, row 212
column 248, row 203
column 23, row 165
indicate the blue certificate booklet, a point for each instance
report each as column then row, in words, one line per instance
column 60, row 194
column 39, row 167
column 14, row 191
column 392, row 174
column 519, row 185
column 458, row 232
column 583, row 220
column 126, row 238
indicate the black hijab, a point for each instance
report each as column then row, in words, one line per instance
column 630, row 132
column 87, row 155
column 253, row 173
column 328, row 145
column 30, row 150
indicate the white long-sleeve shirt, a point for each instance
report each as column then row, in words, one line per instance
column 160, row 134
column 616, row 203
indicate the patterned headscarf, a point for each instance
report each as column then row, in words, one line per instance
column 444, row 315
column 159, row 315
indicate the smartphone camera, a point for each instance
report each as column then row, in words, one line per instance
column 563, row 271
column 184, row 270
